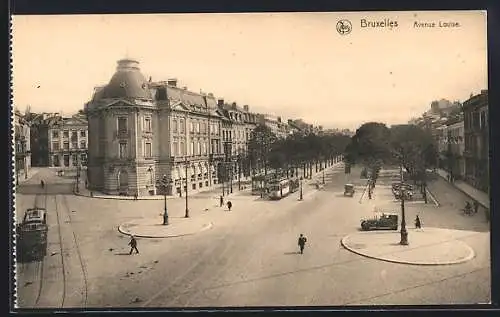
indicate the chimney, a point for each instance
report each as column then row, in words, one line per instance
column 220, row 102
column 290, row 121
column 150, row 78
column 233, row 105
column 172, row 82
column 210, row 94
column 245, row 107
column 279, row 119
column 184, row 88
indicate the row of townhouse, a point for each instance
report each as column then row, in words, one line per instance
column 22, row 146
column 463, row 142
column 58, row 141
column 148, row 137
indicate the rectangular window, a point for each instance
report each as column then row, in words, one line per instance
column 147, row 124
column 83, row 158
column 66, row 145
column 181, row 125
column 203, row 127
column 175, row 150
column 66, row 160
column 55, row 134
column 123, row 150
column 83, row 133
column 122, row 124
column 192, row 127
column 55, row 146
column 74, row 145
column 83, row 145
column 66, row 135
column 197, row 127
column 55, row 160
column 174, row 126
column 182, row 149
column 192, row 148
column 148, row 150
column 75, row 159
column 199, row 152
column 74, row 136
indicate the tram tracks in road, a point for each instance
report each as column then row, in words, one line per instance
column 32, row 271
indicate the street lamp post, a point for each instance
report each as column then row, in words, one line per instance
column 323, row 176
column 404, row 233
column 301, row 196
column 165, row 181
column 186, row 215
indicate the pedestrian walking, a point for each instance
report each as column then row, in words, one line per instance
column 221, row 201
column 135, row 196
column 418, row 224
column 476, row 206
column 302, row 243
column 42, row 184
column 229, row 205
column 133, row 245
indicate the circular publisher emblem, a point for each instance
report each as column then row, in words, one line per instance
column 344, row 27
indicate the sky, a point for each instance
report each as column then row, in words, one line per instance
column 294, row 65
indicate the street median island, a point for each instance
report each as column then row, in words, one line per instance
column 427, row 246
column 153, row 228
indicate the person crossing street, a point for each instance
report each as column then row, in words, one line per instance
column 302, row 243
column 133, row 245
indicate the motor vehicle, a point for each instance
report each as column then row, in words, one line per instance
column 349, row 190
column 32, row 234
column 384, row 221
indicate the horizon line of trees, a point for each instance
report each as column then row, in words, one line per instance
column 307, row 151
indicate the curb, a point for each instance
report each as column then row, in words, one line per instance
column 431, row 195
column 468, row 258
column 205, row 227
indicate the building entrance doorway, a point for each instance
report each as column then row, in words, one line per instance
column 123, row 181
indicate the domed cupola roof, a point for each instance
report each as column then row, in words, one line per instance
column 128, row 82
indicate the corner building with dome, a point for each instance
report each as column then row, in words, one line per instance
column 150, row 138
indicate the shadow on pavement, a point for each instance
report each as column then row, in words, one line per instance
column 122, row 253
column 291, row 253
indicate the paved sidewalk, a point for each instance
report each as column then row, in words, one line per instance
column 479, row 196
column 427, row 246
column 213, row 192
column 32, row 171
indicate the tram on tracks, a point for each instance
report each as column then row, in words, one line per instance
column 278, row 189
column 31, row 242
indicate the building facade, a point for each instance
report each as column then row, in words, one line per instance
column 22, row 148
column 150, row 137
column 67, row 142
column 476, row 134
column 59, row 141
column 455, row 148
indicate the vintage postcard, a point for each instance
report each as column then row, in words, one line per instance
column 251, row 160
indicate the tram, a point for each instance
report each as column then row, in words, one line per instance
column 278, row 189
column 32, row 235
